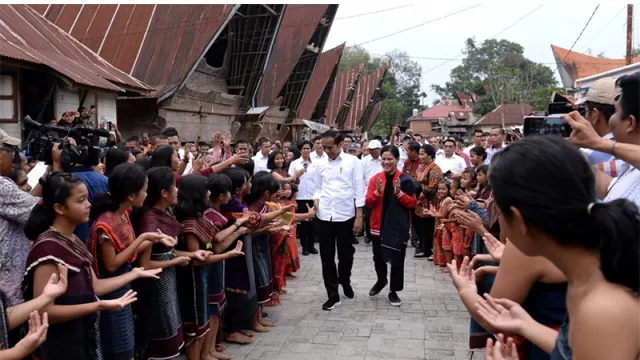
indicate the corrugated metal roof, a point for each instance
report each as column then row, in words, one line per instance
column 345, row 81
column 509, row 114
column 25, row 35
column 374, row 115
column 319, row 80
column 579, row 65
column 298, row 24
column 363, row 97
column 156, row 43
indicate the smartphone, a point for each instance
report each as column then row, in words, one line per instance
column 546, row 125
column 108, row 125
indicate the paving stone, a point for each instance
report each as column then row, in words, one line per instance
column 432, row 322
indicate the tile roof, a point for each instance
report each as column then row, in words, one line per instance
column 444, row 109
column 27, row 36
column 321, row 77
column 512, row 113
column 578, row 65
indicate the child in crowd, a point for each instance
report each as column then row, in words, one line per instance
column 114, row 248
column 442, row 254
column 73, row 332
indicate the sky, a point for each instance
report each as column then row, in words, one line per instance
column 558, row 24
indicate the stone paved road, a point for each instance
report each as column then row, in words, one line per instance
column 432, row 323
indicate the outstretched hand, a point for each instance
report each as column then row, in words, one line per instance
column 120, row 303
column 501, row 350
column 465, row 278
column 142, row 273
column 503, row 315
column 237, row 251
column 494, row 246
column 57, row 284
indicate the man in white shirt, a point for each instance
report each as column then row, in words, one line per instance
column 433, row 141
column 496, row 138
column 318, row 151
column 306, row 191
column 339, row 181
column 476, row 140
column 371, row 164
column 450, row 162
column 262, row 157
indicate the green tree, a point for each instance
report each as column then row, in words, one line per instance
column 635, row 52
column 498, row 72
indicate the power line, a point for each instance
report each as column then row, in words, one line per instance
column 416, row 26
column 374, row 12
column 578, row 38
column 493, row 36
column 605, row 26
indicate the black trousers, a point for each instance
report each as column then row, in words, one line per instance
column 305, row 228
column 366, row 217
column 426, row 228
column 396, row 281
column 415, row 234
column 334, row 235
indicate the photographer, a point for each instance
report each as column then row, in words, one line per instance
column 626, row 131
column 15, row 208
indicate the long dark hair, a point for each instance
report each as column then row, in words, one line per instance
column 271, row 162
column 218, row 184
column 260, row 184
column 162, row 156
column 552, row 185
column 115, row 156
column 192, row 193
column 237, row 176
column 158, row 179
column 56, row 190
column 126, row 179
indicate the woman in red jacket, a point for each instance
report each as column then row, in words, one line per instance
column 391, row 198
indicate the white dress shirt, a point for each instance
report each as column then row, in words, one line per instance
column 625, row 186
column 370, row 167
column 439, row 152
column 306, row 188
column 260, row 162
column 338, row 183
column 455, row 163
column 492, row 151
column 314, row 156
column 403, row 157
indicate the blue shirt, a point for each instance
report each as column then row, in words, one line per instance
column 96, row 183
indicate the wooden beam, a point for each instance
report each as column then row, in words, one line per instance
column 269, row 9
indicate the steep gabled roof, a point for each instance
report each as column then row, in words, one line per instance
column 345, row 83
column 321, row 77
column 374, row 115
column 363, row 97
column 575, row 65
column 25, row 35
column 298, row 24
column 509, row 114
column 158, row 44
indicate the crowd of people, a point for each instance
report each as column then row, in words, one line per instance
column 165, row 247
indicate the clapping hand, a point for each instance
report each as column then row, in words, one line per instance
column 37, row 333
column 142, row 273
column 379, row 186
column 465, row 279
column 470, row 220
column 57, row 284
column 396, row 188
column 503, row 315
column 500, row 352
column 462, row 199
column 494, row 246
column 246, row 216
column 118, row 304
column 227, row 139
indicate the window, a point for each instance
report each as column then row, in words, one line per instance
column 8, row 98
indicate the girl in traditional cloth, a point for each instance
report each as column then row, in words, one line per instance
column 276, row 164
column 114, row 247
column 159, row 332
column 439, row 210
column 74, row 328
column 278, row 244
column 219, row 186
column 240, row 284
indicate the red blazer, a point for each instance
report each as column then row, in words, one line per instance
column 374, row 199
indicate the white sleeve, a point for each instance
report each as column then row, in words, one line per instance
column 358, row 181
column 317, row 182
column 292, row 169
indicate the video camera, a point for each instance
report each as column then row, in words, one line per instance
column 85, row 152
column 552, row 122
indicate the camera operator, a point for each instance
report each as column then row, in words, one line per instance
column 15, row 208
column 626, row 131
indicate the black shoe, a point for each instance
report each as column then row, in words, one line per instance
column 313, row 251
column 305, row 252
column 348, row 291
column 395, row 300
column 367, row 241
column 377, row 287
column 355, row 241
column 330, row 304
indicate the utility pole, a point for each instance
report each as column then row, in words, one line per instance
column 629, row 33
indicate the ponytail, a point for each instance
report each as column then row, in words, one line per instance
column 126, row 179
column 619, row 224
column 55, row 190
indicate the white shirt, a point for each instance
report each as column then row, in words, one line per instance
column 455, row 163
column 625, row 186
column 439, row 152
column 467, row 150
column 314, row 156
column 403, row 157
column 370, row 167
column 492, row 151
column 338, row 183
column 189, row 167
column 306, row 188
column 260, row 162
